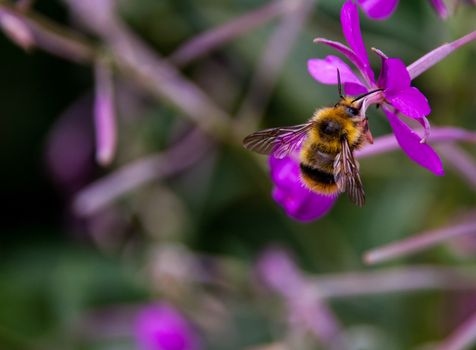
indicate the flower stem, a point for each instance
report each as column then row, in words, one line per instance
column 53, row 38
column 463, row 337
column 418, row 243
column 105, row 114
column 460, row 161
column 394, row 280
column 102, row 192
column 205, row 42
column 388, row 143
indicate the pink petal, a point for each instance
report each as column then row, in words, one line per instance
column 425, row 123
column 394, row 74
column 105, row 115
column 419, row 242
column 298, row 202
column 325, row 71
column 347, row 52
column 17, row 29
column 410, row 102
column 378, row 9
column 440, row 8
column 436, row 55
column 409, row 141
column 349, row 18
column 353, row 89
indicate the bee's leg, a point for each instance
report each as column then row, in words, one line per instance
column 364, row 124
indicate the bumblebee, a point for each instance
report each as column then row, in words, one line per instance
column 325, row 146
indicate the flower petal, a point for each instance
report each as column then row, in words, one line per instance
column 410, row 102
column 394, row 74
column 298, row 202
column 347, row 52
column 378, row 9
column 349, row 18
column 105, row 115
column 425, row 123
column 409, row 141
column 353, row 89
column 325, row 71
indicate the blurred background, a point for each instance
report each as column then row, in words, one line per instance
column 181, row 217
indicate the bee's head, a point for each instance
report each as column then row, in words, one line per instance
column 351, row 105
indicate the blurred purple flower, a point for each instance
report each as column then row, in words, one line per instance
column 277, row 269
column 162, row 327
column 378, row 9
column 299, row 202
column 382, row 9
column 70, row 148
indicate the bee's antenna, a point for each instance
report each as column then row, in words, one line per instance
column 366, row 94
column 339, row 84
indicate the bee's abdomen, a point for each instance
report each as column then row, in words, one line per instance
column 316, row 155
column 317, row 175
column 318, row 180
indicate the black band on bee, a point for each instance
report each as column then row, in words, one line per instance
column 317, row 175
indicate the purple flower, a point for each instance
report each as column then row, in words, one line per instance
column 397, row 94
column 382, row 9
column 161, row 327
column 297, row 200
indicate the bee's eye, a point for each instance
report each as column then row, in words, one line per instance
column 352, row 111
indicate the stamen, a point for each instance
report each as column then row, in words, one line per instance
column 366, row 94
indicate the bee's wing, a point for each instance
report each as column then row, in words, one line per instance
column 346, row 174
column 277, row 141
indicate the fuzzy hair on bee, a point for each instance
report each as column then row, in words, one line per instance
column 324, row 145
